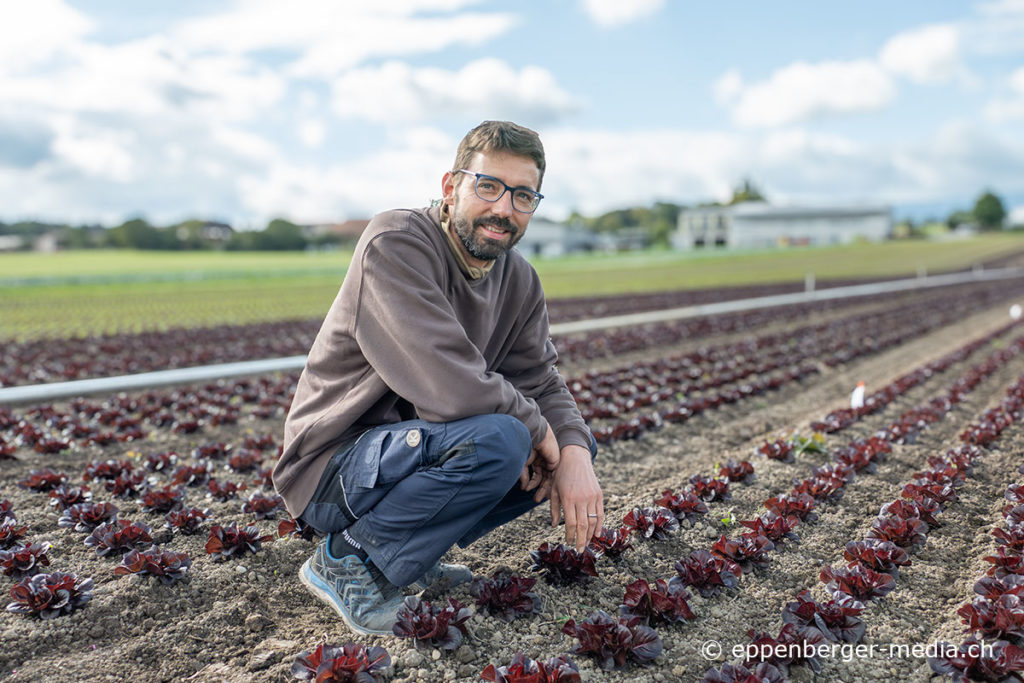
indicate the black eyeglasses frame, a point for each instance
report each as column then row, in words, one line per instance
column 537, row 196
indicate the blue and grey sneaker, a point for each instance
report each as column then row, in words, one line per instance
column 453, row 574
column 347, row 585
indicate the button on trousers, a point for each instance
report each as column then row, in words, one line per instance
column 408, row 491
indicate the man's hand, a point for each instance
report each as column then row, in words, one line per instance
column 576, row 491
column 537, row 475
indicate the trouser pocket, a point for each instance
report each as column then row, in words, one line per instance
column 361, row 472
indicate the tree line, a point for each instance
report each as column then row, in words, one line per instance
column 657, row 222
column 137, row 233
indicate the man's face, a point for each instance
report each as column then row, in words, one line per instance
column 488, row 229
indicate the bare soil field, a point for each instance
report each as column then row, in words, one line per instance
column 248, row 618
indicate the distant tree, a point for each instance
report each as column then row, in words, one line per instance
column 279, row 235
column 576, row 218
column 243, row 240
column 613, row 221
column 989, row 212
column 659, row 221
column 189, row 234
column 904, row 229
column 746, row 192
column 665, row 219
column 137, row 233
column 84, row 237
column 958, row 218
column 282, row 235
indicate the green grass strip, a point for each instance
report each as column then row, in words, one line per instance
column 85, row 293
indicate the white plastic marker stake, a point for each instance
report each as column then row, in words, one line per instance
column 1015, row 311
column 857, row 397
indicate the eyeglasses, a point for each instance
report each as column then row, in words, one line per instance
column 490, row 189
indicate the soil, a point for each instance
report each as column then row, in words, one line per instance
column 246, row 619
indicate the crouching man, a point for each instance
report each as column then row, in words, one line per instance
column 430, row 411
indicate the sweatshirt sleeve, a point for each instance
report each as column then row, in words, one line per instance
column 530, row 367
column 409, row 333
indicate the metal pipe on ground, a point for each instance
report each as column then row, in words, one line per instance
column 148, row 380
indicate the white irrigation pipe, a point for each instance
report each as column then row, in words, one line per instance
column 784, row 300
column 148, row 380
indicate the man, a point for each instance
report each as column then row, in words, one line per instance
column 430, row 411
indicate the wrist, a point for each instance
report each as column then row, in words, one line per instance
column 573, row 451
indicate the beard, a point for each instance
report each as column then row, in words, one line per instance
column 479, row 245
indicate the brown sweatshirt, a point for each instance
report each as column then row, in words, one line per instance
column 409, row 336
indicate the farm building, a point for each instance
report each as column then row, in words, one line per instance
column 545, row 237
column 758, row 224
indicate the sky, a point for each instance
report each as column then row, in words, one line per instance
column 327, row 110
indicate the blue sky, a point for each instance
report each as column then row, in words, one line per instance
column 324, row 110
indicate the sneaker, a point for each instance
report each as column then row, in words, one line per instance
column 454, row 574
column 348, row 587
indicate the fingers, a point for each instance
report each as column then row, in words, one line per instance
column 573, row 534
column 536, row 479
column 556, row 508
column 574, row 492
column 596, row 521
column 543, row 490
column 524, row 476
column 530, row 478
column 587, row 525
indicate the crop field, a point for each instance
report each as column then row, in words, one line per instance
column 758, row 527
column 88, row 293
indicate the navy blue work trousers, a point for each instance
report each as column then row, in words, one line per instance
column 408, row 491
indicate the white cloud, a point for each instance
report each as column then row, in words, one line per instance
column 407, row 172
column 596, row 170
column 101, row 153
column 968, row 156
column 956, row 161
column 997, row 30
column 312, row 132
column 728, row 87
column 33, row 32
column 46, row 192
column 802, row 91
column 588, row 170
column 325, row 37
column 666, row 164
column 790, row 165
column 147, row 77
column 610, row 13
column 491, row 88
column 779, row 146
column 404, row 37
column 1017, row 215
column 244, row 144
column 1011, row 106
column 309, row 101
column 930, row 54
column 1001, row 8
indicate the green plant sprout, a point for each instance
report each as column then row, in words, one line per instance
column 814, row 443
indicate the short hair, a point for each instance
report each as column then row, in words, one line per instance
column 501, row 136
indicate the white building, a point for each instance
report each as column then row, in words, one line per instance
column 757, row 224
